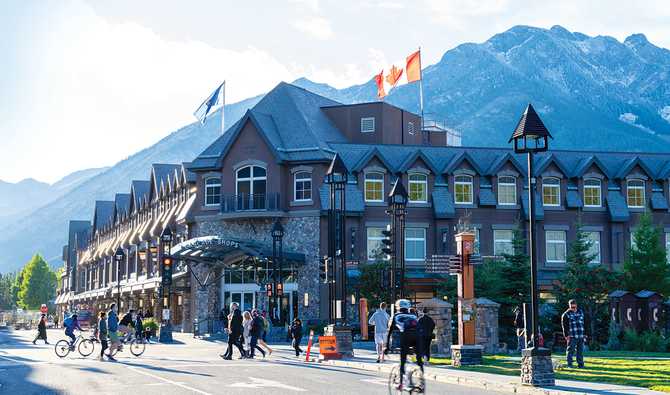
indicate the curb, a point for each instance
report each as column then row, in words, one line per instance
column 454, row 380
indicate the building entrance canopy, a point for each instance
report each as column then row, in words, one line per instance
column 229, row 255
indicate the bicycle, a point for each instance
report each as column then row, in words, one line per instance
column 85, row 347
column 136, row 346
column 413, row 381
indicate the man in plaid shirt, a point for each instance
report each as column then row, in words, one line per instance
column 573, row 322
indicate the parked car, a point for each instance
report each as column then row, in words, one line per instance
column 356, row 331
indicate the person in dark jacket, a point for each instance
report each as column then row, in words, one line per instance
column 427, row 326
column 296, row 334
column 255, row 332
column 222, row 321
column 234, row 325
column 42, row 330
column 139, row 327
column 520, row 329
column 102, row 328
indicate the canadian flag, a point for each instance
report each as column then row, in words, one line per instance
column 399, row 73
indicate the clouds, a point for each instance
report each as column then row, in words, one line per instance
column 318, row 28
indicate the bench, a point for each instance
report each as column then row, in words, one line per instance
column 23, row 325
column 559, row 341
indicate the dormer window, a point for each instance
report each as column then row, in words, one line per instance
column 374, row 187
column 463, row 189
column 592, row 192
column 303, row 186
column 506, row 190
column 551, row 191
column 635, row 193
column 418, row 188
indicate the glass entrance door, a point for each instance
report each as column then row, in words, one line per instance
column 245, row 300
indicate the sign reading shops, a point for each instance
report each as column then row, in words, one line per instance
column 211, row 241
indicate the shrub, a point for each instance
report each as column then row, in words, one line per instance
column 318, row 328
column 613, row 343
column 150, row 323
column 646, row 341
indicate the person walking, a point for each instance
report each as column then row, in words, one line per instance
column 255, row 329
column 102, row 329
column 139, row 328
column 246, row 324
column 42, row 330
column 296, row 334
column 573, row 323
column 234, row 325
column 427, row 335
column 380, row 319
column 222, row 321
column 520, row 329
column 112, row 330
column 264, row 324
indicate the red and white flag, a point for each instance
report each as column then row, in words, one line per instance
column 399, row 73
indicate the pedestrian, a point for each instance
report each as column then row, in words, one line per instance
column 102, row 328
column 149, row 314
column 296, row 334
column 380, row 319
column 255, row 332
column 266, row 326
column 520, row 329
column 222, row 321
column 573, row 322
column 126, row 320
column 42, row 330
column 427, row 335
column 234, row 326
column 112, row 330
column 139, row 327
column 246, row 324
column 56, row 321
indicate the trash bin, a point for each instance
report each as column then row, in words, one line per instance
column 196, row 328
column 624, row 309
column 649, row 311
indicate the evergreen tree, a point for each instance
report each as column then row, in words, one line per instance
column 39, row 284
column 586, row 282
column 646, row 261
column 369, row 283
column 6, row 283
column 16, row 287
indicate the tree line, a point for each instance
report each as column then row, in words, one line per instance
column 30, row 287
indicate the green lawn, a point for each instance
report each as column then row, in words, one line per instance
column 601, row 366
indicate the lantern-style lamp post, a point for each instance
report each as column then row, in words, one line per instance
column 397, row 201
column 336, row 177
column 119, row 256
column 277, row 232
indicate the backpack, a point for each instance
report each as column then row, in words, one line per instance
column 266, row 324
column 67, row 322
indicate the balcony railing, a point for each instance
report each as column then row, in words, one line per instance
column 255, row 202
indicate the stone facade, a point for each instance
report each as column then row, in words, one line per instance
column 536, row 367
column 440, row 312
column 486, row 325
column 345, row 344
column 466, row 355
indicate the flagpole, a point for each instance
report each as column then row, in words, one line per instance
column 223, row 108
column 421, row 97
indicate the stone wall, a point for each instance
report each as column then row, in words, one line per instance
column 440, row 312
column 486, row 325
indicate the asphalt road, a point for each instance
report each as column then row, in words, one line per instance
column 187, row 366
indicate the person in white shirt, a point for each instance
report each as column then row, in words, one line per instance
column 380, row 319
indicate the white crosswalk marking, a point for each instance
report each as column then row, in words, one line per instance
column 376, row 381
column 257, row 383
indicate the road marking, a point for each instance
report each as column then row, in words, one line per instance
column 169, row 381
column 376, row 381
column 265, row 383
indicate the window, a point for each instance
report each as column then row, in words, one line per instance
column 375, row 237
column 410, row 128
column 502, row 242
column 595, row 247
column 367, row 125
column 551, row 191
column 667, row 246
column 506, row 190
column 418, row 187
column 463, row 189
column 212, row 191
column 415, row 244
column 592, row 192
column 374, row 187
column 251, row 181
column 555, row 246
column 303, row 185
column 83, row 280
column 635, row 193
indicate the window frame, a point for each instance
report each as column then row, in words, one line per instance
column 630, row 188
column 371, row 237
column 304, row 190
column 213, row 194
column 548, row 183
column 373, row 181
column 667, row 246
column 596, row 244
column 507, row 194
column 501, row 242
column 461, row 183
column 593, row 187
column 556, row 242
column 251, row 179
column 417, row 184
column 421, row 240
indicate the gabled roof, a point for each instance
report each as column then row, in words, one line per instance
column 412, row 158
column 456, row 160
column 81, row 244
column 160, row 175
column 367, row 158
column 104, row 210
column 629, row 164
column 187, row 176
column 500, row 162
column 586, row 163
column 664, row 173
column 544, row 162
column 121, row 206
column 139, row 190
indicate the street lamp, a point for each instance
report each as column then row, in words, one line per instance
column 529, row 137
column 337, row 176
column 118, row 257
column 277, row 233
column 397, row 201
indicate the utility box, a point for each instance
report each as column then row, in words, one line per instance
column 649, row 311
column 623, row 305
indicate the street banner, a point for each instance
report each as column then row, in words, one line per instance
column 364, row 318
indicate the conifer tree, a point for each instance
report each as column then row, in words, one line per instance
column 646, row 260
column 39, row 284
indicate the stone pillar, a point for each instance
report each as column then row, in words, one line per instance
column 466, row 355
column 486, row 325
column 345, row 344
column 536, row 367
column 440, row 312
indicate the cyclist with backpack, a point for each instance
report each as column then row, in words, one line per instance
column 410, row 334
column 70, row 324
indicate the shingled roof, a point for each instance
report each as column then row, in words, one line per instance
column 104, row 210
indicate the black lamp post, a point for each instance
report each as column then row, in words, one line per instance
column 529, row 137
column 119, row 256
column 277, row 232
column 397, row 201
column 166, row 239
column 336, row 177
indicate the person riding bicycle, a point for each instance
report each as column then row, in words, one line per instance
column 410, row 334
column 126, row 320
column 71, row 323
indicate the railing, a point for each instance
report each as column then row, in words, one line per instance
column 437, row 123
column 255, row 202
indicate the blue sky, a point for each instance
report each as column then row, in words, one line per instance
column 86, row 83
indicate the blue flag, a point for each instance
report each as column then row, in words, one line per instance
column 214, row 99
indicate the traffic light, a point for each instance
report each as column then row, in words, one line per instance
column 386, row 279
column 269, row 288
column 323, row 270
column 280, row 289
column 389, row 244
column 397, row 278
column 167, row 270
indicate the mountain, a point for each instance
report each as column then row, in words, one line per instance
column 592, row 93
column 20, row 199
